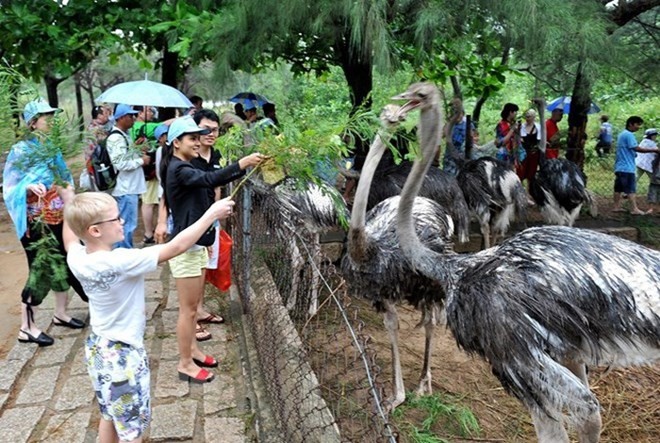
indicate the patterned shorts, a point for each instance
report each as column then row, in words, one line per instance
column 120, row 377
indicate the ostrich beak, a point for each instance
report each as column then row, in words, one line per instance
column 410, row 105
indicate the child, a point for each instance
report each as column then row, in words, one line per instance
column 114, row 281
column 185, row 195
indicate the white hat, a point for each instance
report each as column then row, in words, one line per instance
column 184, row 125
column 650, row 132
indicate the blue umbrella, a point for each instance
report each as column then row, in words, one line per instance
column 249, row 99
column 145, row 93
column 564, row 103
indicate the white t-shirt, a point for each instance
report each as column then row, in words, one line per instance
column 128, row 162
column 644, row 160
column 114, row 282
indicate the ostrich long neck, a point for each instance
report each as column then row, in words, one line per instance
column 422, row 258
column 357, row 238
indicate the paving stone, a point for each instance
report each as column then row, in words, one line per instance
column 79, row 365
column 57, row 353
column 167, row 381
column 149, row 309
column 153, row 276
column 169, row 349
column 169, row 321
column 219, row 394
column 77, row 303
column 224, row 430
column 219, row 332
column 9, row 369
column 18, row 423
column 77, row 391
column 39, row 387
column 22, row 351
column 153, row 289
column 67, row 428
column 3, row 400
column 174, row 421
column 172, row 300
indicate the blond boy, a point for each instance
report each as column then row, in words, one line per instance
column 114, row 280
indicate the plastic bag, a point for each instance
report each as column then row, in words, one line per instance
column 221, row 277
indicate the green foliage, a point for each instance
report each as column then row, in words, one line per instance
column 442, row 414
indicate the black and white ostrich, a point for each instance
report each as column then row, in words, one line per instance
column 374, row 267
column 542, row 305
column 438, row 186
column 301, row 206
column 559, row 187
column 494, row 194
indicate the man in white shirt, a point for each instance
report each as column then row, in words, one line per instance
column 130, row 178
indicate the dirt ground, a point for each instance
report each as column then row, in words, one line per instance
column 629, row 398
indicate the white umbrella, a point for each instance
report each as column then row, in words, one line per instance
column 145, row 93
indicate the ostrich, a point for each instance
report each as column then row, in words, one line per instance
column 438, row 186
column 559, row 188
column 316, row 208
column 494, row 194
column 542, row 305
column 375, row 269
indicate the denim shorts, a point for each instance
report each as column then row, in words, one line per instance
column 120, row 377
column 190, row 263
column 625, row 182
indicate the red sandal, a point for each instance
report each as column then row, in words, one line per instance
column 203, row 376
column 208, row 362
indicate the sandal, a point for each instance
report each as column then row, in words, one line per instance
column 148, row 240
column 203, row 376
column 208, row 362
column 212, row 318
column 202, row 334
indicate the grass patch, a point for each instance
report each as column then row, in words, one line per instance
column 436, row 418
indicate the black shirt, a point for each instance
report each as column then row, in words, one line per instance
column 190, row 191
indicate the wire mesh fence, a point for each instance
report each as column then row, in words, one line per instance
column 321, row 375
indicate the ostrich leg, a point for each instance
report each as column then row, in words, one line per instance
column 297, row 262
column 316, row 279
column 391, row 322
column 548, row 430
column 589, row 427
column 430, row 321
column 485, row 233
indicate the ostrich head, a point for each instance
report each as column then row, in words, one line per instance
column 425, row 97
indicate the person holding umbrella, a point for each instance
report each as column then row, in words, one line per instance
column 130, row 178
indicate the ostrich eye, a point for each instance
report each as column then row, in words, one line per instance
column 422, row 95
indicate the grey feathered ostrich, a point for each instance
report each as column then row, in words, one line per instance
column 301, row 206
column 559, row 188
column 438, row 186
column 375, row 269
column 542, row 305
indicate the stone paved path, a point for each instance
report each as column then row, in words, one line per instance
column 46, row 394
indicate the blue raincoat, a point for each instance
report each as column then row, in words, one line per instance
column 28, row 163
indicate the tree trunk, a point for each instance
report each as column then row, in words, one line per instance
column 51, row 89
column 358, row 70
column 170, row 68
column 79, row 104
column 577, row 118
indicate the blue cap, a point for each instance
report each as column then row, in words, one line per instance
column 160, row 130
column 248, row 105
column 184, row 125
column 36, row 107
column 122, row 110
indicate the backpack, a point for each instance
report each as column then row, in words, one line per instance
column 142, row 139
column 104, row 174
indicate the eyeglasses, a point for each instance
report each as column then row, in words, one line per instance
column 214, row 131
column 112, row 220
